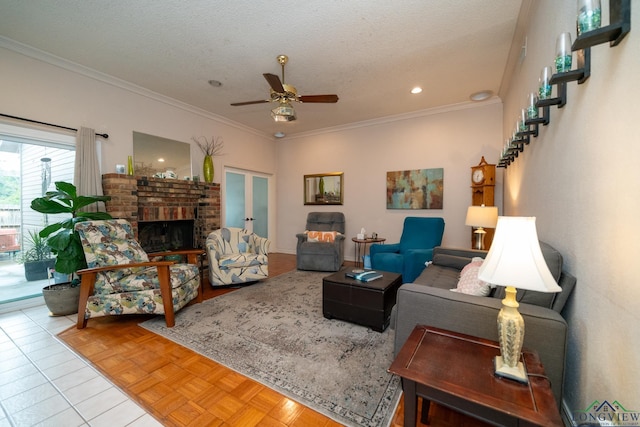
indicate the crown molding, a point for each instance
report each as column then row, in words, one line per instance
column 57, row 61
column 399, row 117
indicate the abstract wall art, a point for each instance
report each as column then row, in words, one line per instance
column 415, row 189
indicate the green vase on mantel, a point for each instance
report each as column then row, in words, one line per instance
column 207, row 169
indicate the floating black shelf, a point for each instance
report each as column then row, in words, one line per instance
column 560, row 100
column 620, row 18
column 531, row 132
column 544, row 120
column 580, row 75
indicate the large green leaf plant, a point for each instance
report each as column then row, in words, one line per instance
column 61, row 237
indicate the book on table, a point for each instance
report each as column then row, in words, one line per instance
column 364, row 276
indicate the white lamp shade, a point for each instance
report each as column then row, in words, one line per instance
column 515, row 258
column 482, row 216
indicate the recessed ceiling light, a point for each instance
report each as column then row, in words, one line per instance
column 215, row 83
column 416, row 89
column 279, row 134
column 481, row 96
column 161, row 160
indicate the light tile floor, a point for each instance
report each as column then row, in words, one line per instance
column 44, row 383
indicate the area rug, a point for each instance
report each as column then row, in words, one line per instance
column 274, row 333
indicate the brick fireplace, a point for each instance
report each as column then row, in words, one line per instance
column 168, row 205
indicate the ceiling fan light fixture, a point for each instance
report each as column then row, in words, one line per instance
column 283, row 113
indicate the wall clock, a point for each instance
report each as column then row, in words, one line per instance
column 483, row 180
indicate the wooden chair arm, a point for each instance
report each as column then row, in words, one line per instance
column 122, row 266
column 192, row 254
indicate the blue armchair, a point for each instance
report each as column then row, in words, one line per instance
column 419, row 237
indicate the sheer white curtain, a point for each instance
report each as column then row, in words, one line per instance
column 87, row 177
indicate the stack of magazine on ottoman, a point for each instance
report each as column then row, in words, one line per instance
column 363, row 275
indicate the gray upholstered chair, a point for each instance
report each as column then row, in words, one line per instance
column 316, row 254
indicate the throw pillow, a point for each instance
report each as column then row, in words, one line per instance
column 469, row 282
column 321, row 236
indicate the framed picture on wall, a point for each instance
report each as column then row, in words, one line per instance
column 415, row 189
column 324, row 189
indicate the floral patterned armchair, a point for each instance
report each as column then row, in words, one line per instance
column 237, row 256
column 121, row 279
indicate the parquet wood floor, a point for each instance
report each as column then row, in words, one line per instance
column 182, row 388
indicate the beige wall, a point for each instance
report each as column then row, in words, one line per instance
column 581, row 179
column 70, row 96
column 454, row 139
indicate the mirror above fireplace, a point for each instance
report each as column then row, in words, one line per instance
column 154, row 156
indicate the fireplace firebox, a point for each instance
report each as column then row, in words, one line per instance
column 161, row 236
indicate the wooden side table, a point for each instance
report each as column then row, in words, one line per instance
column 456, row 370
column 361, row 247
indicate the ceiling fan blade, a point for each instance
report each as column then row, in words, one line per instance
column 318, row 98
column 274, row 82
column 237, row 104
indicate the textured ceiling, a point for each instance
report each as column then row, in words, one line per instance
column 370, row 53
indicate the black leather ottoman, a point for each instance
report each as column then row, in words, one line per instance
column 365, row 303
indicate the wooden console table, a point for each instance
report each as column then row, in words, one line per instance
column 456, row 370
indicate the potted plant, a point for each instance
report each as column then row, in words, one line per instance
column 64, row 241
column 37, row 258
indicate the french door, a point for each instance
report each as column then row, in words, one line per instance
column 246, row 202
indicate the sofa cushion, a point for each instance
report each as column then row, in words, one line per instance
column 450, row 261
column 469, row 282
column 553, row 258
column 438, row 277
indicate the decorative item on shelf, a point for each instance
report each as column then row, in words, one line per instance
column 130, row 165
column 564, row 54
column 210, row 149
column 532, row 108
column 120, row 169
column 515, row 260
column 526, row 129
column 590, row 33
column 589, row 15
column 544, row 87
column 619, row 26
column 207, row 169
column 533, row 112
column 480, row 217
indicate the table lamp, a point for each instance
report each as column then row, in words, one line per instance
column 480, row 217
column 515, row 260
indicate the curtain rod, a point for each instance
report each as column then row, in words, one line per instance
column 104, row 135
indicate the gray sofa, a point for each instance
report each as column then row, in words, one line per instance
column 429, row 301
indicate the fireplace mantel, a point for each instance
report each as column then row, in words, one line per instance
column 139, row 198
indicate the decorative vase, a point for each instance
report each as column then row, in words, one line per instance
column 321, row 186
column 207, row 169
column 130, row 165
column 62, row 298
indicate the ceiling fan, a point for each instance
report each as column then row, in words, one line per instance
column 284, row 94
